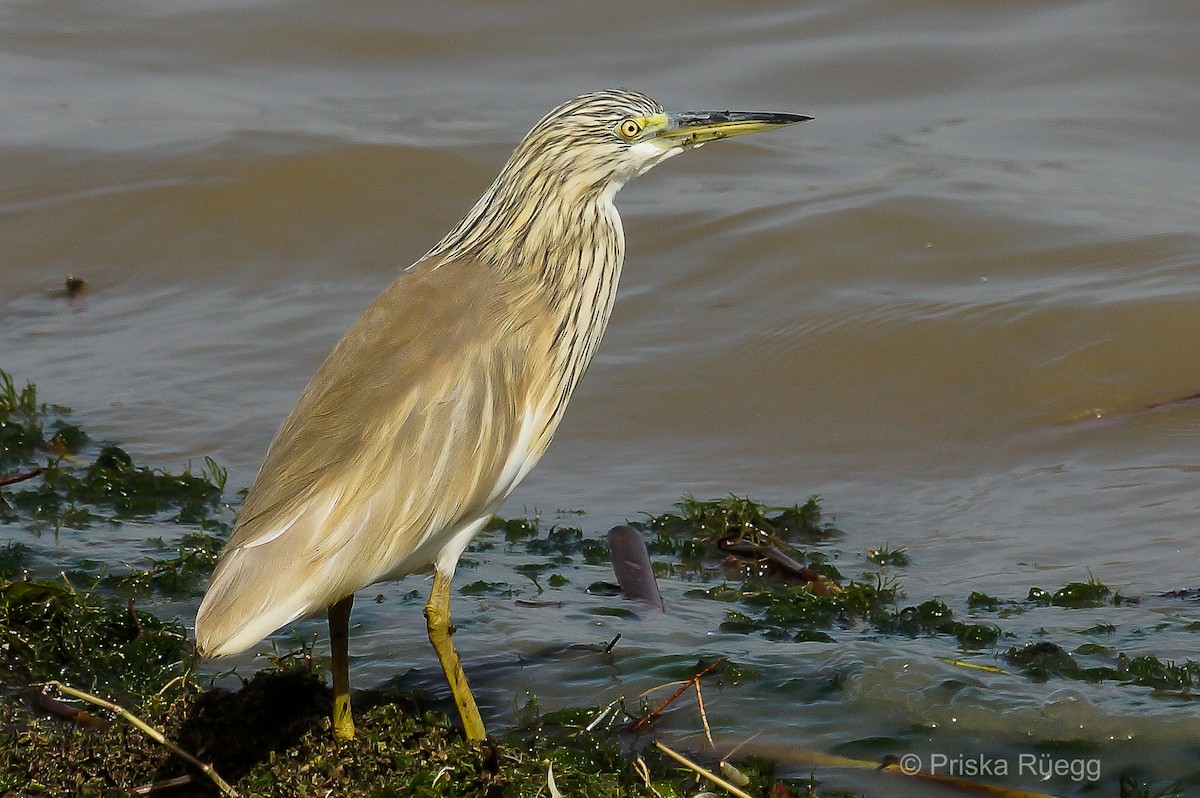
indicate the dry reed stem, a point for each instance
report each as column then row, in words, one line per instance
column 149, row 731
column 708, row 774
column 704, row 716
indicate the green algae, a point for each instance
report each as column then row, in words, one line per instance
column 50, row 631
column 59, row 479
column 29, row 427
column 182, row 574
column 696, row 526
column 1046, row 659
column 1075, row 595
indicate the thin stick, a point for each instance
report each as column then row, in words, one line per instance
column 14, row 479
column 743, row 744
column 708, row 774
column 682, row 689
column 704, row 716
column 149, row 731
column 639, row 765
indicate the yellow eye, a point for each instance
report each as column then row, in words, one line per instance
column 629, row 128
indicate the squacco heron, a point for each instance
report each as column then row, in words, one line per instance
column 446, row 391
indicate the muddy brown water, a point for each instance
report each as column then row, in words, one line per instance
column 942, row 305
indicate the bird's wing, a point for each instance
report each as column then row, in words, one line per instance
column 416, row 422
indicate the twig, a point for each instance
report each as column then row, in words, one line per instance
column 822, row 585
column 743, row 744
column 639, row 765
column 15, row 478
column 1176, row 401
column 170, row 684
column 682, row 689
column 604, row 713
column 149, row 731
column 708, row 774
column 704, row 716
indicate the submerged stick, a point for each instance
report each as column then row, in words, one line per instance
column 22, row 477
column 149, row 731
column 640, row 767
column 821, row 584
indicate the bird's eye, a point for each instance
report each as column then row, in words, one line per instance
column 629, row 128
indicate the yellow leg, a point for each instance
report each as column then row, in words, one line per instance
column 437, row 620
column 339, row 644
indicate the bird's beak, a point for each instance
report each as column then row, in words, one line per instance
column 691, row 128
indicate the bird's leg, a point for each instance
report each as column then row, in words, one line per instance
column 437, row 619
column 339, row 644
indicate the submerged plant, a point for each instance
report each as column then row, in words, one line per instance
column 52, row 476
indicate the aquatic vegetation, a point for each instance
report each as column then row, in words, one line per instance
column 29, row 427
column 1091, row 593
column 885, row 555
column 272, row 738
column 49, row 630
column 54, row 477
column 698, row 525
column 774, row 570
column 13, row 556
column 184, row 574
column 1046, row 659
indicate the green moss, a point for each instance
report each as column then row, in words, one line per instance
column 982, row 601
column 481, row 587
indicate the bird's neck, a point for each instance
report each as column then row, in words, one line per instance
column 557, row 238
column 558, row 229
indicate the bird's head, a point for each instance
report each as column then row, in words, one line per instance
column 556, row 189
column 612, row 136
